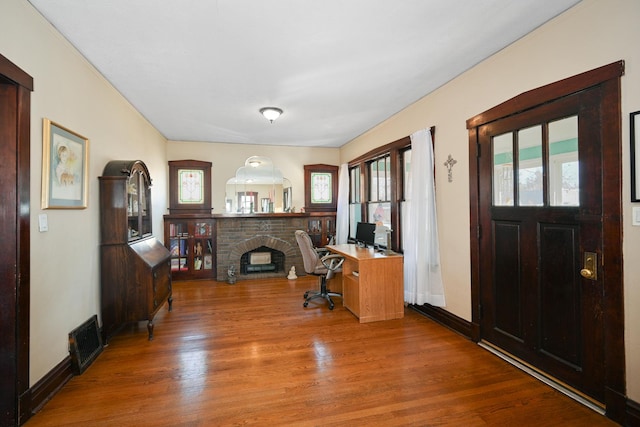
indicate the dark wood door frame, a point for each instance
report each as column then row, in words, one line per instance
column 15, row 121
column 608, row 79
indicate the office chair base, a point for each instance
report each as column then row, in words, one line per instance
column 308, row 296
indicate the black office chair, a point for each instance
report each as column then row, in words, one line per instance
column 322, row 266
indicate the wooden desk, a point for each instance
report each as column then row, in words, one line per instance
column 372, row 283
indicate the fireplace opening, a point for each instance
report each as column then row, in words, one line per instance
column 262, row 260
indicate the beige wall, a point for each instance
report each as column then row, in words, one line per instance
column 65, row 283
column 227, row 158
column 592, row 34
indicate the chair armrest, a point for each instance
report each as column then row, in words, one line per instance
column 332, row 261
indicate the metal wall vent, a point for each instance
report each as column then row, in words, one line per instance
column 85, row 344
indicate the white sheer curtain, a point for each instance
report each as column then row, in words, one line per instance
column 342, row 214
column 422, row 275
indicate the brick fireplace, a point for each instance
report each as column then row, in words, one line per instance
column 238, row 235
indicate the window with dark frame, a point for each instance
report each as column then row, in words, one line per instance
column 378, row 184
column 381, row 177
column 379, row 200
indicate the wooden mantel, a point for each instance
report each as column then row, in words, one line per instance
column 268, row 215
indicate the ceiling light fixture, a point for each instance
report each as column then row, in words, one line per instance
column 271, row 113
column 253, row 161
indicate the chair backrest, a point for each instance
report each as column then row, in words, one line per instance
column 310, row 256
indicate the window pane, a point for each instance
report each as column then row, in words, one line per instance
column 380, row 214
column 387, row 179
column 530, row 180
column 564, row 179
column 503, row 170
column 355, row 216
column 373, row 180
column 354, row 181
column 380, row 179
column 406, row 168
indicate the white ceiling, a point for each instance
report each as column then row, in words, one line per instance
column 199, row 70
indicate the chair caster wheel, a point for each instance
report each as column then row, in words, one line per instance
column 305, row 304
column 330, row 307
column 306, row 294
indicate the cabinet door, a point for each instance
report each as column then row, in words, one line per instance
column 179, row 245
column 329, row 229
column 203, row 248
column 133, row 206
column 321, row 230
column 192, row 245
column 315, row 232
column 138, row 205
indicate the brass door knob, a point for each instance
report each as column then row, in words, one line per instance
column 586, row 273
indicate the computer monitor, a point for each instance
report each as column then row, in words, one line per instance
column 365, row 233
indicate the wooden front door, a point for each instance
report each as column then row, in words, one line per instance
column 544, row 170
column 15, row 93
column 547, row 269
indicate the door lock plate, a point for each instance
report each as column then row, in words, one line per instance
column 590, row 266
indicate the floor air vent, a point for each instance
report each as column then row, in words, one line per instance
column 85, row 344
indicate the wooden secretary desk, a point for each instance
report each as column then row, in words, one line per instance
column 134, row 266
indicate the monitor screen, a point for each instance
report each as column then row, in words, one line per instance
column 365, row 233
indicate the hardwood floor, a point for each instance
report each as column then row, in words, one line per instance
column 250, row 354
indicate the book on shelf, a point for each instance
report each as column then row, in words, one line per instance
column 174, row 247
column 176, row 230
column 197, row 264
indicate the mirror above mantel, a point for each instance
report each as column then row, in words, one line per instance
column 258, row 187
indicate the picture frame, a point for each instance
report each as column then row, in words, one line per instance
column 65, row 167
column 634, row 119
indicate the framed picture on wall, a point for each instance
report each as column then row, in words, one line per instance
column 65, row 166
column 635, row 156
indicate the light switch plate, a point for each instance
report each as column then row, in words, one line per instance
column 43, row 223
column 635, row 214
